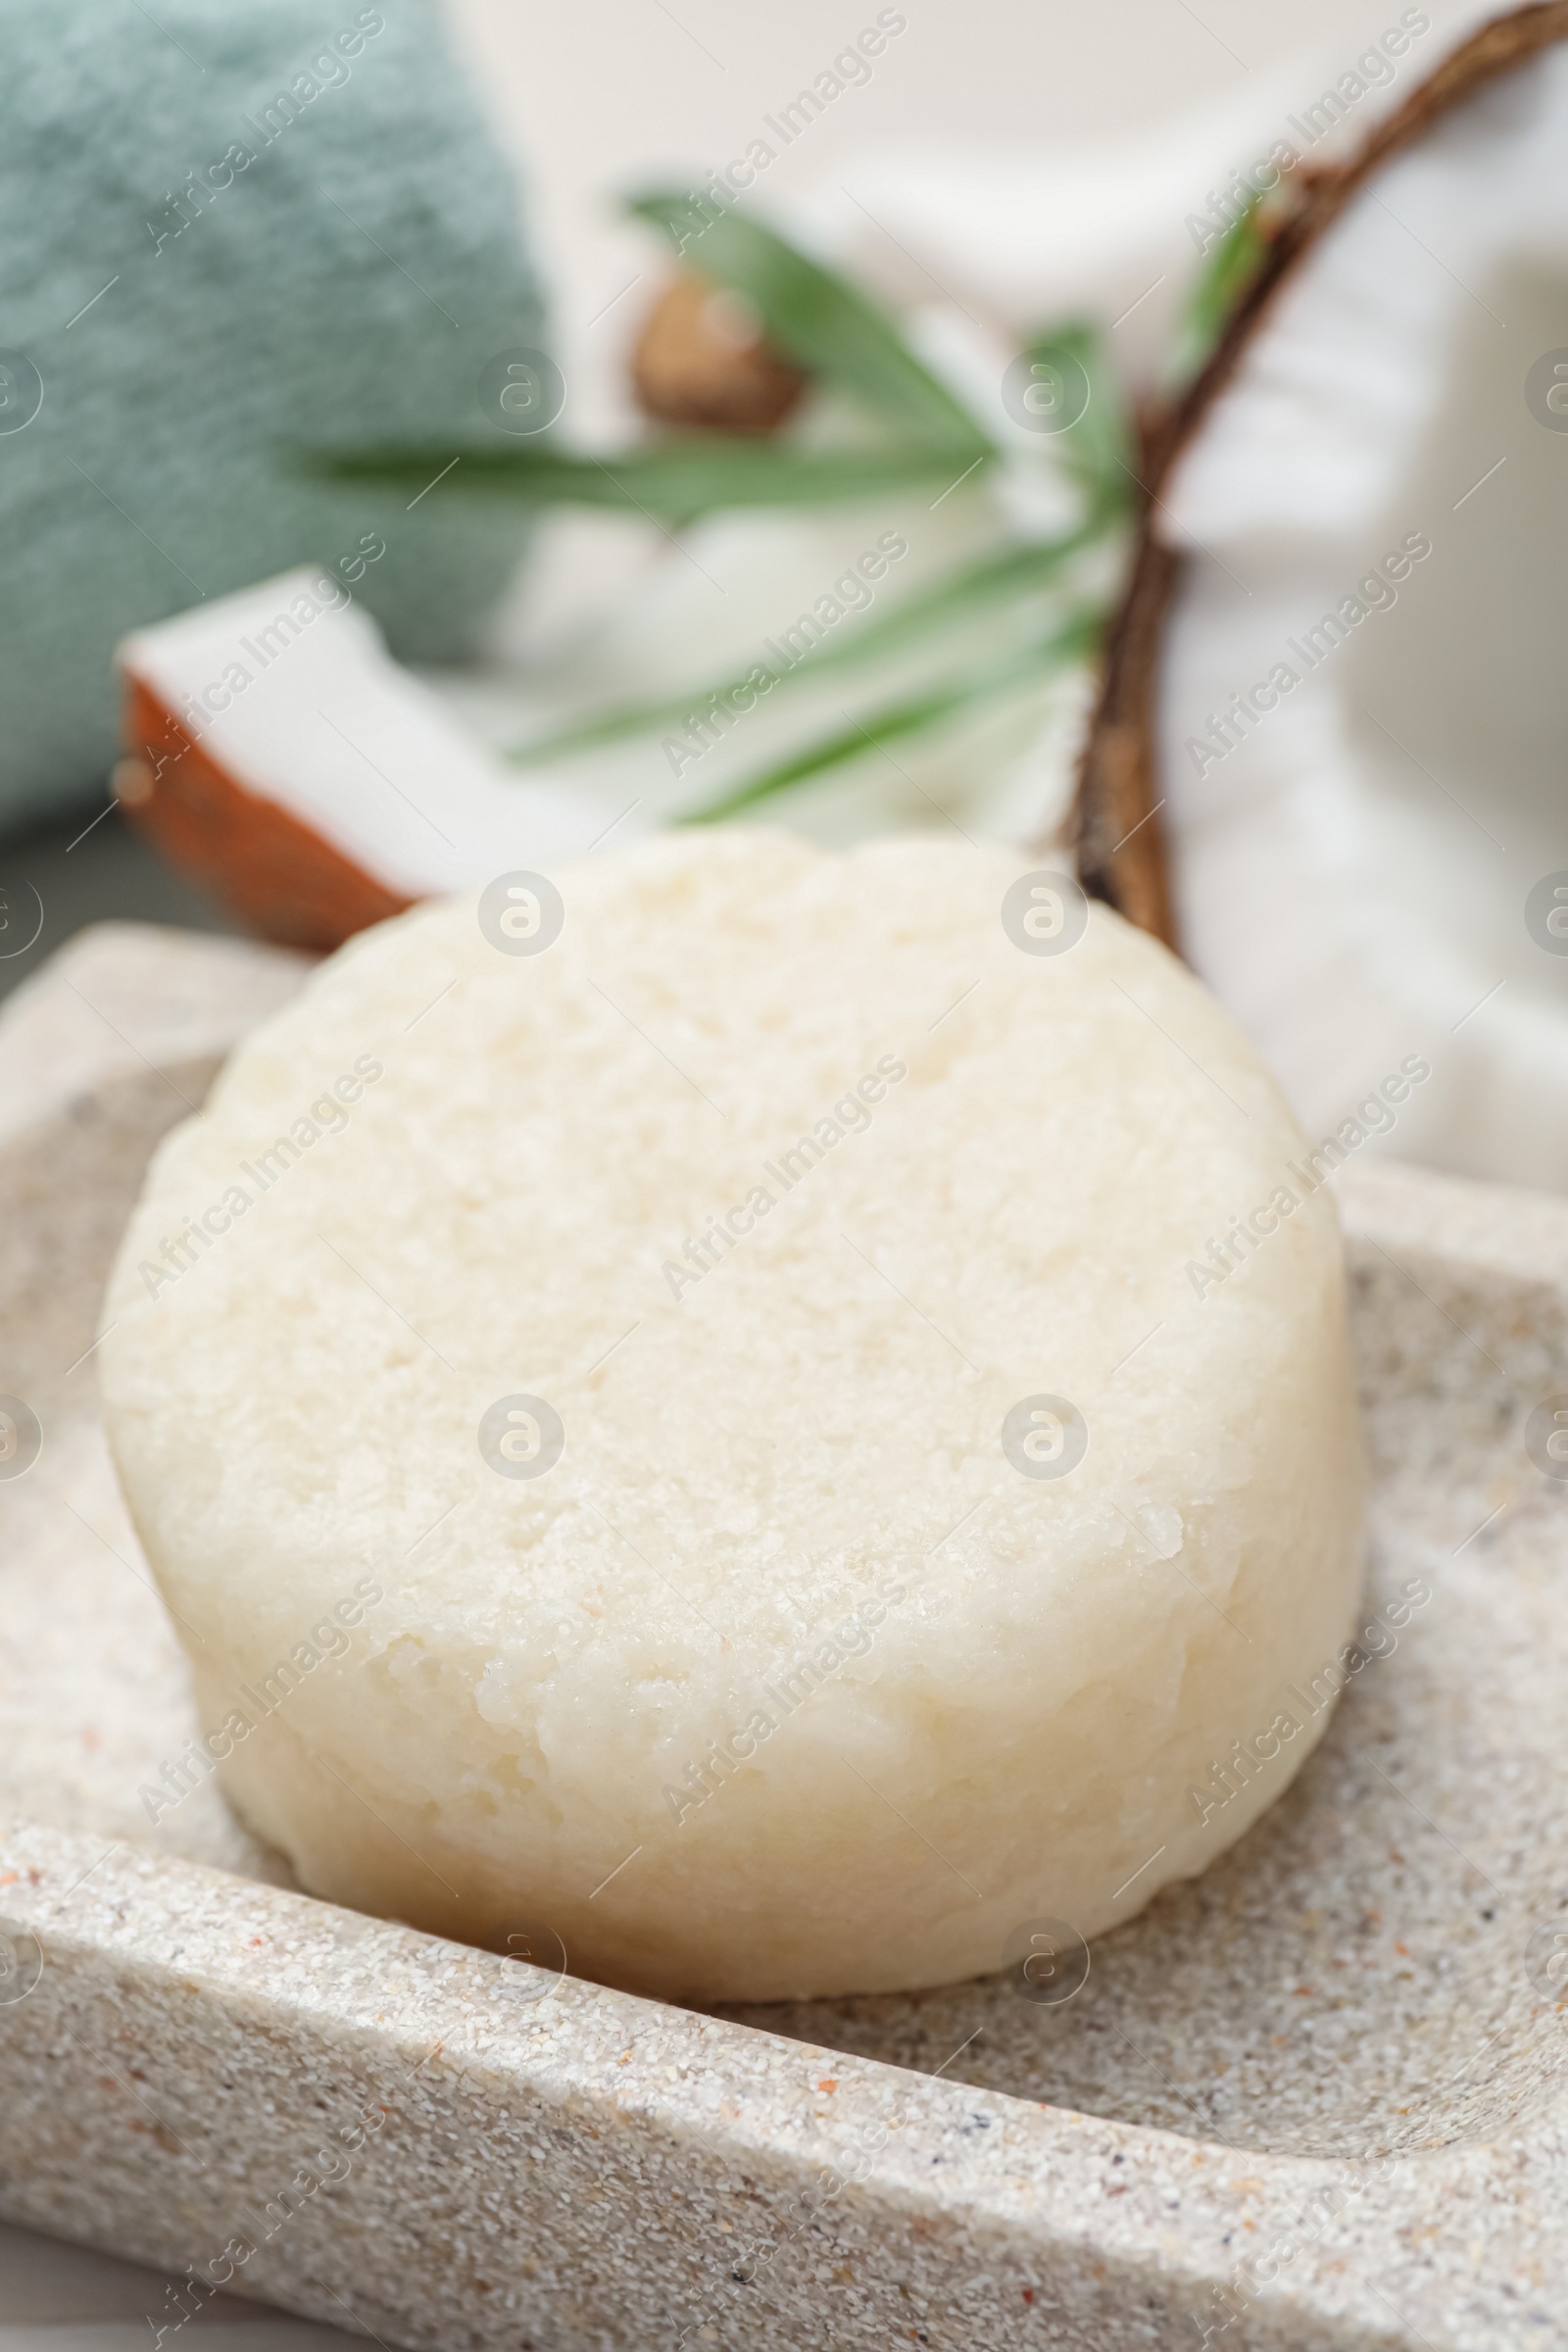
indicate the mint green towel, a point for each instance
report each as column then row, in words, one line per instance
column 231, row 227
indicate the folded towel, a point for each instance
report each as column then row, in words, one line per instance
column 242, row 226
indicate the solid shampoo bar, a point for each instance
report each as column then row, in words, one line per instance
column 758, row 1419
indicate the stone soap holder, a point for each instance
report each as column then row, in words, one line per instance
column 1316, row 2099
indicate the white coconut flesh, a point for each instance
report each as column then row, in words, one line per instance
column 782, row 1180
column 1351, row 874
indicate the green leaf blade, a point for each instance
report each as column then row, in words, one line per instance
column 1096, row 449
column 824, row 324
column 671, row 480
column 1017, row 674
column 958, row 597
column 1227, row 272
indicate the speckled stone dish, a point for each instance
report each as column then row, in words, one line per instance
column 1317, row 2099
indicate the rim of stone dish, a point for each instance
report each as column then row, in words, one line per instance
column 1114, row 826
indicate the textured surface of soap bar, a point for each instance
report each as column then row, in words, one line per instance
column 696, row 1413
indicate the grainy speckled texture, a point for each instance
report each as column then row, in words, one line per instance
column 590, row 2169
column 785, row 1532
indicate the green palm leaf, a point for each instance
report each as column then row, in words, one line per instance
column 821, row 320
column 1019, row 672
column 1226, row 275
column 671, row 480
column 999, row 578
column 1098, row 449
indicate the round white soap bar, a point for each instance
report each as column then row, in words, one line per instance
column 766, row 1421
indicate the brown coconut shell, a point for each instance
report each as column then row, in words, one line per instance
column 275, row 874
column 692, row 368
column 1115, row 825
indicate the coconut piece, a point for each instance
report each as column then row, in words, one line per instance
column 746, row 1413
column 278, row 756
column 1352, row 847
column 701, row 360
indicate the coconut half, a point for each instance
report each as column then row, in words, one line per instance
column 1327, row 750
